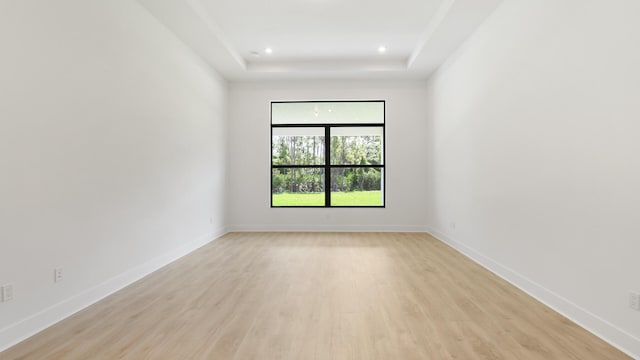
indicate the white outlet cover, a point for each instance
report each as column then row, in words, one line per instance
column 58, row 274
column 7, row 292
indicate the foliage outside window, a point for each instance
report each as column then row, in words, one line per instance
column 327, row 154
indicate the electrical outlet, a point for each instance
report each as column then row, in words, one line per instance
column 634, row 301
column 58, row 274
column 6, row 293
column 453, row 225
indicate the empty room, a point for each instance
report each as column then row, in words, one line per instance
column 319, row 179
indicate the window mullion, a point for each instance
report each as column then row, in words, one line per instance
column 327, row 167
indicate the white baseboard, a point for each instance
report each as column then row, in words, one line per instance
column 17, row 332
column 615, row 336
column 327, row 228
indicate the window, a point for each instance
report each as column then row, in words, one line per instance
column 327, row 154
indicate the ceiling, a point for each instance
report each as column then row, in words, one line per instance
column 322, row 39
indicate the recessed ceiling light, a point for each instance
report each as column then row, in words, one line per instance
column 268, row 50
column 382, row 49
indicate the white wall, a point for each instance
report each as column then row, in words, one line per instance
column 534, row 155
column 112, row 153
column 249, row 157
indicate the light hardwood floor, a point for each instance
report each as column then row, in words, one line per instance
column 306, row 296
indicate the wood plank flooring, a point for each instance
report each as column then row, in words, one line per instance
column 322, row 296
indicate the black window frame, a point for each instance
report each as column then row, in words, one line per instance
column 327, row 157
